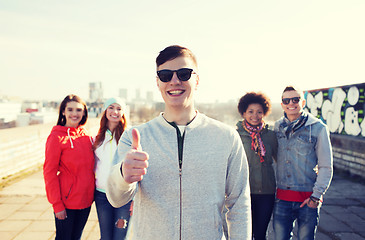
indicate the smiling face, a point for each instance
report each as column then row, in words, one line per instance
column 114, row 113
column 73, row 113
column 293, row 110
column 254, row 114
column 178, row 94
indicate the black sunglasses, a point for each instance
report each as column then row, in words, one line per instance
column 286, row 101
column 183, row 74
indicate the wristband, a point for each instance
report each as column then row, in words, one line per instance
column 315, row 200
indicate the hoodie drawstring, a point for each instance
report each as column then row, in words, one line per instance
column 69, row 137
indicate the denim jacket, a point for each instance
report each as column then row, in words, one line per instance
column 304, row 161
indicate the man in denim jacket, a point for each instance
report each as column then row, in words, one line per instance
column 304, row 168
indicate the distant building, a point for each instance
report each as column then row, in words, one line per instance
column 123, row 93
column 43, row 117
column 95, row 91
column 138, row 94
column 28, row 106
column 149, row 96
column 9, row 111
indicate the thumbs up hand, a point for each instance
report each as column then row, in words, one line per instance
column 136, row 143
column 136, row 161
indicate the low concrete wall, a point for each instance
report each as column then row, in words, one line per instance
column 23, row 148
column 349, row 154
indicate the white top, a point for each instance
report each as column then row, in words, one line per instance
column 104, row 155
column 181, row 128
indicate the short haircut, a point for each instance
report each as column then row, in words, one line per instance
column 251, row 98
column 172, row 52
column 71, row 98
column 292, row 88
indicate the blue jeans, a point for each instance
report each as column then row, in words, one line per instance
column 285, row 213
column 113, row 222
column 71, row 228
column 262, row 206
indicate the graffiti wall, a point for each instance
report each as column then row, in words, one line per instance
column 341, row 108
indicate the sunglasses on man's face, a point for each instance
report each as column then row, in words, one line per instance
column 183, row 74
column 286, row 101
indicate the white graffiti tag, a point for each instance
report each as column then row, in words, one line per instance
column 352, row 126
column 331, row 111
column 353, row 95
column 314, row 103
column 352, row 122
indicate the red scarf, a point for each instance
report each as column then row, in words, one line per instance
column 257, row 144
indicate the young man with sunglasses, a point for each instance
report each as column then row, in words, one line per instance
column 182, row 168
column 304, row 168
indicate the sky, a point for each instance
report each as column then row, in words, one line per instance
column 50, row 48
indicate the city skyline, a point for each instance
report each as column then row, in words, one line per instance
column 51, row 49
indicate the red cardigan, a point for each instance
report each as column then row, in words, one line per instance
column 69, row 169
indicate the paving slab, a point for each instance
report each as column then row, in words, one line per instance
column 7, row 235
column 349, row 236
column 34, row 235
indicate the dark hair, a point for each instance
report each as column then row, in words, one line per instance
column 292, row 88
column 99, row 139
column 252, row 97
column 172, row 52
column 71, row 98
column 289, row 88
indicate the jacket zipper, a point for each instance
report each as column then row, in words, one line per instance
column 180, row 205
column 69, row 191
column 180, row 145
column 180, row 141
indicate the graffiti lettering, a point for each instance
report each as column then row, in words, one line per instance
column 331, row 110
column 314, row 102
column 341, row 108
column 352, row 126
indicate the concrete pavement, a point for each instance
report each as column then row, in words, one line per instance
column 26, row 214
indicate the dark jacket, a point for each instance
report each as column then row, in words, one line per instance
column 262, row 176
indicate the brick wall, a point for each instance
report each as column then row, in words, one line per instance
column 349, row 154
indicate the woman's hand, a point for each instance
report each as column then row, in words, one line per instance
column 61, row 215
